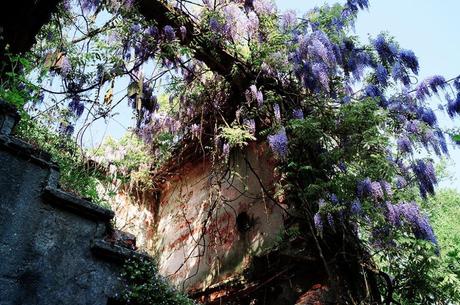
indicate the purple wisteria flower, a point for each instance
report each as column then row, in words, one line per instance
column 410, row 60
column 324, row 39
column 386, row 50
column 403, row 168
column 413, row 126
column 321, row 50
column 337, row 54
column 382, row 74
column 376, row 192
column 356, row 207
column 386, row 187
column 457, row 83
column 315, row 60
column 409, row 213
column 253, row 91
column 267, row 69
column 422, row 91
column 348, row 89
column 277, row 112
column 135, row 28
column 427, row 115
column 40, row 97
column 251, row 125
column 226, row 150
column 260, row 98
column 321, row 203
column 401, row 182
column 214, row 25
column 453, row 105
column 334, row 199
column 317, row 219
column 252, row 24
column 372, row 91
column 320, row 70
column 428, row 139
column 146, row 133
column 342, row 166
column 65, row 66
column 288, row 19
column 419, row 223
column 370, row 188
column 399, row 73
column 67, row 4
column 330, row 220
column 128, row 4
column 426, row 177
column 263, row 7
column 183, row 32
column 76, row 106
column 253, row 94
column 297, row 114
column 279, row 143
column 442, row 141
column 169, row 32
column 364, row 187
column 236, row 22
column 66, row 128
column 437, row 82
column 196, row 130
column 90, row 5
column 392, row 214
column 354, row 5
column 404, row 144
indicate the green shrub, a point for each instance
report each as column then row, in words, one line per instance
column 145, row 286
column 75, row 175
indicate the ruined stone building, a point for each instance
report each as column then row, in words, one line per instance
column 205, row 230
column 215, row 233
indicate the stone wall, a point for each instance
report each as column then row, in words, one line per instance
column 205, row 232
column 52, row 247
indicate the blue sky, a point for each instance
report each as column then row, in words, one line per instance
column 428, row 27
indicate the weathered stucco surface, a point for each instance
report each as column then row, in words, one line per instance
column 192, row 225
column 136, row 213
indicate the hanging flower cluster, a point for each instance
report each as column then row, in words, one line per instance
column 279, row 143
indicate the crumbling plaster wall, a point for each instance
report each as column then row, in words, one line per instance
column 137, row 214
column 206, row 229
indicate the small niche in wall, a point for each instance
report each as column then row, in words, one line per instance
column 244, row 222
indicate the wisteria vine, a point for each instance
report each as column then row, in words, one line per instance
column 304, row 84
